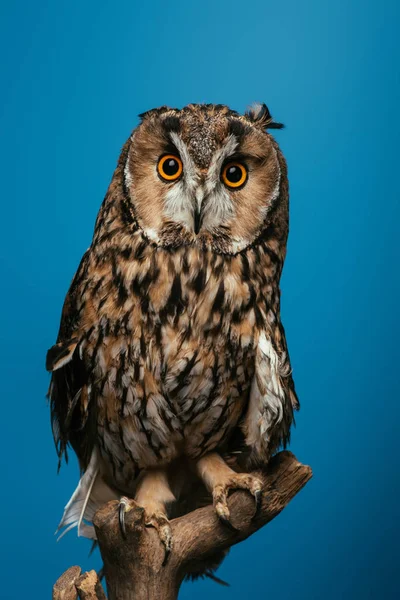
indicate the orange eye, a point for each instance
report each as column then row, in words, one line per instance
column 170, row 167
column 234, row 175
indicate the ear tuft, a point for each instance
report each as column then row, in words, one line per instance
column 259, row 115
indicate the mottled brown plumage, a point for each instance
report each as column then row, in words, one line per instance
column 171, row 347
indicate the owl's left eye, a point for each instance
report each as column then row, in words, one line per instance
column 169, row 167
column 234, row 175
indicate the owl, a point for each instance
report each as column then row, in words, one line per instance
column 171, row 377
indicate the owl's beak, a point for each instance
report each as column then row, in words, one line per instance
column 197, row 213
column 197, row 220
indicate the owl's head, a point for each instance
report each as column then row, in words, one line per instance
column 205, row 175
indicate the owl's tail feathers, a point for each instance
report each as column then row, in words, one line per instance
column 92, row 492
column 206, row 568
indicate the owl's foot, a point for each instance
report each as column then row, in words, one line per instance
column 220, row 479
column 154, row 494
column 158, row 520
column 236, row 481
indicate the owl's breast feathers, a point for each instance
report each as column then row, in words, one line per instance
column 163, row 352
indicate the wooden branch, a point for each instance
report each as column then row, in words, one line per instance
column 133, row 566
column 89, row 587
column 64, row 588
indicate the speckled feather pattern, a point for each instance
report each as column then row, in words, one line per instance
column 165, row 345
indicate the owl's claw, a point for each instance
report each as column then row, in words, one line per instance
column 160, row 522
column 238, row 481
column 258, row 499
column 221, row 512
column 122, row 509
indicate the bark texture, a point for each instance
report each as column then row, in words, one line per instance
column 133, row 566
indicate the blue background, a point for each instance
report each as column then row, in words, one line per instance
column 74, row 77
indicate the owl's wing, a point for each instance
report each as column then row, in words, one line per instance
column 272, row 398
column 71, row 412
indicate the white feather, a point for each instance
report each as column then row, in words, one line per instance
column 127, row 173
column 213, row 176
column 191, row 177
column 179, row 200
column 92, row 492
column 267, row 395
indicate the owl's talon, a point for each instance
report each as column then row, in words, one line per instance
column 258, row 499
column 157, row 520
column 239, row 481
column 166, row 556
column 122, row 509
column 160, row 522
column 226, row 521
column 221, row 506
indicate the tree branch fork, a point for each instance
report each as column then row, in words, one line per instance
column 133, row 567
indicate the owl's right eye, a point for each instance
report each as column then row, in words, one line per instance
column 169, row 167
